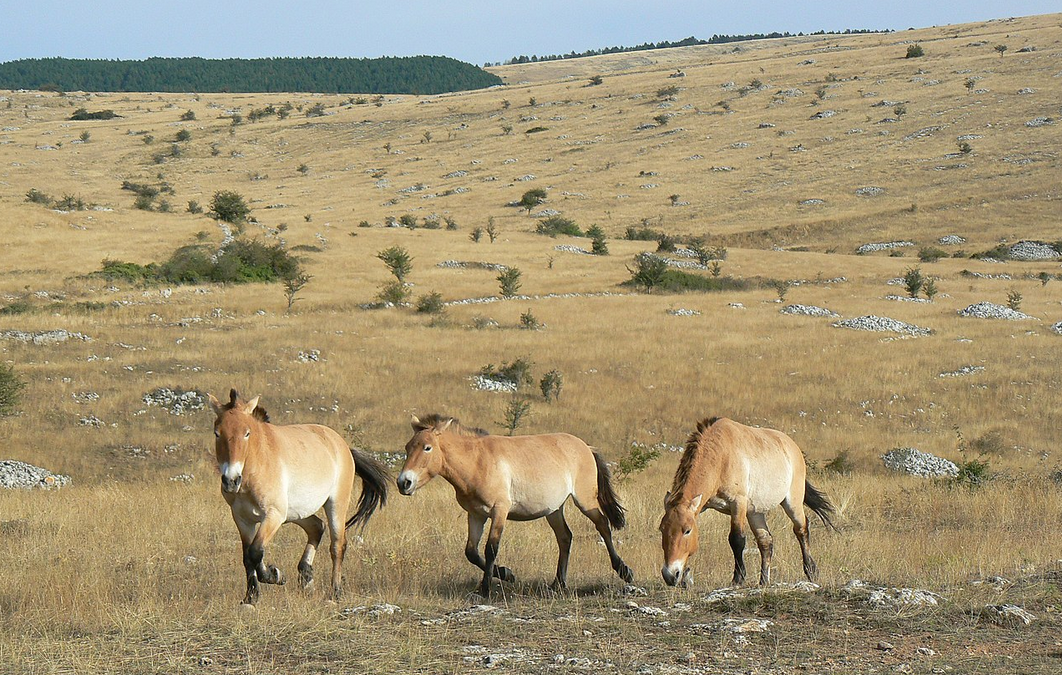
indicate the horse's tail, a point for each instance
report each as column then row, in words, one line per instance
column 606, row 495
column 374, row 482
column 817, row 501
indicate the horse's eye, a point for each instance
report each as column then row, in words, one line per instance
column 427, row 448
column 688, row 532
column 247, row 435
column 217, row 434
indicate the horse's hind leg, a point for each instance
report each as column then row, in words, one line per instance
column 314, row 528
column 605, row 530
column 801, row 530
column 476, row 524
column 765, row 542
column 564, row 544
column 338, row 546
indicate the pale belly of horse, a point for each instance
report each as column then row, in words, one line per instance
column 303, row 506
column 532, row 504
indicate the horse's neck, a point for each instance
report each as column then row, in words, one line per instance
column 703, row 477
column 263, row 456
column 462, row 464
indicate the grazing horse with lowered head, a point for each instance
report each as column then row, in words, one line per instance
column 276, row 474
column 514, row 478
column 742, row 472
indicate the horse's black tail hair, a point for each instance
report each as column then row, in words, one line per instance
column 606, row 496
column 817, row 501
column 374, row 482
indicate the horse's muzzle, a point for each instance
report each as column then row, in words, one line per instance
column 231, row 485
column 406, row 485
column 679, row 578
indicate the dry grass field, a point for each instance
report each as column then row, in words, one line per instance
column 127, row 570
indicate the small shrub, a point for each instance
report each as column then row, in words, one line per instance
column 229, row 206
column 637, row 459
column 510, row 282
column 316, row 110
column 1014, row 299
column 194, row 207
column 17, row 307
column 518, row 372
column 187, row 116
column 666, row 244
column 551, row 385
column 71, row 203
column 781, row 286
column 451, row 224
column 303, row 169
column 555, row 225
column 492, row 229
column 648, row 272
column 397, row 260
column 81, row 114
column 394, row 292
column 930, row 254
column 528, row 321
column 598, row 246
column 913, row 280
column 144, row 203
column 11, row 386
column 85, row 136
column 841, row 464
column 37, row 197
column 536, row 130
column 914, row 52
column 408, row 220
column 430, row 303
column 183, row 135
column 972, row 474
column 532, row 198
column 476, row 234
column 516, row 413
column 965, row 148
column 667, row 92
column 930, row 289
column 595, row 80
column 292, row 285
column 643, row 233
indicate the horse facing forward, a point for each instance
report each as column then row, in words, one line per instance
column 514, row 478
column 742, row 472
column 276, row 474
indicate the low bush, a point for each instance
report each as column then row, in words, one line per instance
column 643, row 233
column 81, row 114
column 555, row 225
column 430, row 303
column 240, row 261
column 11, row 386
column 931, row 254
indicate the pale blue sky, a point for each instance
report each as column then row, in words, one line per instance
column 471, row 30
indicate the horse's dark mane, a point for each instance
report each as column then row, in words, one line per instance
column 259, row 412
column 685, row 467
column 436, row 420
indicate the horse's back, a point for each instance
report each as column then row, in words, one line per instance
column 766, row 463
column 314, row 458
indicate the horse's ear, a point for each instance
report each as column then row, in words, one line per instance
column 415, row 422
column 667, row 499
column 251, row 405
column 695, row 505
column 446, row 425
column 233, row 395
column 215, row 404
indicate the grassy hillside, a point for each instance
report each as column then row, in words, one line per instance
column 768, row 149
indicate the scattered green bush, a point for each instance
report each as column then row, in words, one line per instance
column 913, row 280
column 637, row 459
column 397, row 260
column 229, row 206
column 82, row 114
column 551, row 385
column 930, row 254
column 518, row 371
column 240, row 261
column 532, row 198
column 649, row 272
column 516, row 412
column 509, row 281
column 430, row 303
column 841, row 464
column 643, row 233
column 11, row 386
column 529, row 321
column 914, row 52
column 37, row 197
column 555, row 225
column 394, row 292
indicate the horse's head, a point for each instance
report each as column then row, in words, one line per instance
column 678, row 531
column 233, row 433
column 423, row 456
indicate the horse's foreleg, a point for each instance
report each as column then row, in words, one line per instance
column 314, row 528
column 564, row 545
column 254, row 553
column 476, row 524
column 737, row 540
column 490, row 551
column 605, row 530
column 765, row 542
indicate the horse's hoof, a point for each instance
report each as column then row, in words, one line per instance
column 275, row 576
column 558, row 587
column 247, row 608
column 626, row 573
column 506, row 574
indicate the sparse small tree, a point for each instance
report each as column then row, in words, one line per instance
column 516, row 413
column 11, row 386
column 649, row 271
column 532, row 198
column 971, row 82
column 431, row 303
column 183, row 135
column 913, row 281
column 194, row 207
column 387, row 147
column 1000, row 49
column 187, row 116
column 229, row 206
column 426, row 137
column 492, row 229
column 1014, row 299
column 507, row 129
column 965, row 148
column 529, row 321
column 930, row 289
column 509, row 281
column 551, row 385
column 293, row 284
column 476, row 234
column 674, row 199
column 899, row 110
column 398, row 261
column 781, row 287
column 85, row 136
column 596, row 80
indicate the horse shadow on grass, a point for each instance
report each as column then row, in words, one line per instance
column 466, row 588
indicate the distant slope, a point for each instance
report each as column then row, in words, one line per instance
column 388, row 75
